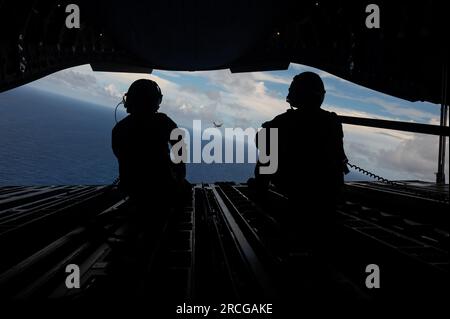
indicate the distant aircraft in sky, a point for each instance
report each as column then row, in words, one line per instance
column 217, row 123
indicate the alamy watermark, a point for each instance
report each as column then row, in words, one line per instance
column 373, row 279
column 73, row 279
column 373, row 19
column 222, row 148
column 73, row 18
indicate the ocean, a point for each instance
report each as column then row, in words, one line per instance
column 49, row 139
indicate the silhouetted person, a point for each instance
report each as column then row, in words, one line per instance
column 147, row 175
column 311, row 159
column 141, row 144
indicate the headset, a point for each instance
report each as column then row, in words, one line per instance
column 117, row 106
column 292, row 98
column 130, row 95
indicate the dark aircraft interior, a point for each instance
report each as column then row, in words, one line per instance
column 224, row 243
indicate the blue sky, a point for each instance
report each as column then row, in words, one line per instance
column 249, row 99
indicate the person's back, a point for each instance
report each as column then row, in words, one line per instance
column 146, row 172
column 141, row 145
column 310, row 151
column 311, row 158
column 311, row 163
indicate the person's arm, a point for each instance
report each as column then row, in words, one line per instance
column 114, row 142
column 262, row 181
column 116, row 148
column 342, row 156
column 179, row 169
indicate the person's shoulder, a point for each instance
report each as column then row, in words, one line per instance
column 164, row 118
column 332, row 120
column 330, row 115
column 280, row 118
column 122, row 123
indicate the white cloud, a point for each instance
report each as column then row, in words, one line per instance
column 249, row 92
column 392, row 154
column 345, row 111
column 240, row 98
column 394, row 110
column 268, row 77
column 323, row 74
column 416, row 157
column 112, row 91
column 80, row 83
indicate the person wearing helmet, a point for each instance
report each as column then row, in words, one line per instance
column 311, row 157
column 147, row 175
column 141, row 144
